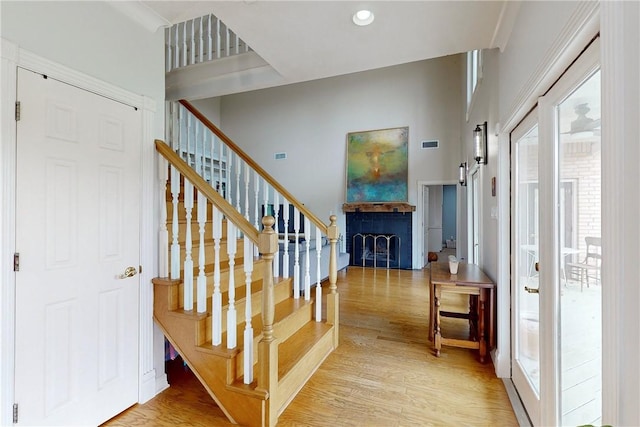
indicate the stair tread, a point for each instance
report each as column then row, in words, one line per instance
column 298, row 345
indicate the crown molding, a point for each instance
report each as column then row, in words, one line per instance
column 141, row 14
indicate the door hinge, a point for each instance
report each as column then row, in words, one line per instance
column 17, row 111
column 16, row 261
column 15, row 413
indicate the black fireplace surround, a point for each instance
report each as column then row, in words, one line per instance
column 389, row 230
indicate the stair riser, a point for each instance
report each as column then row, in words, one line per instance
column 282, row 291
column 195, row 230
column 209, row 252
column 296, row 378
column 281, row 330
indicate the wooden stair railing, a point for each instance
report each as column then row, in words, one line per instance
column 284, row 326
column 186, row 127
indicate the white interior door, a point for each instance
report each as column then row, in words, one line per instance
column 557, row 339
column 78, row 163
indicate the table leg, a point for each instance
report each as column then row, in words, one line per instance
column 482, row 341
column 437, row 340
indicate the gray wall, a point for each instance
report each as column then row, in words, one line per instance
column 310, row 121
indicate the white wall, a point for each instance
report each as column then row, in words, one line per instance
column 94, row 39
column 90, row 37
column 310, row 121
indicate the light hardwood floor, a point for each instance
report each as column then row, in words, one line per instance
column 383, row 373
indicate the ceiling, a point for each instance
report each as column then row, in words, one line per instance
column 308, row 40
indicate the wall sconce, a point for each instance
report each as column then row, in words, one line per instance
column 462, row 174
column 480, row 143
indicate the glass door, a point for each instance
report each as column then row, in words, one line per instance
column 556, row 248
column 525, row 277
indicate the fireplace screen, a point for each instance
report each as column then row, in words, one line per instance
column 376, row 250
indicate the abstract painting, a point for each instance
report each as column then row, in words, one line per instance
column 377, row 166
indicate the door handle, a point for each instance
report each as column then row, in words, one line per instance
column 129, row 272
column 532, row 290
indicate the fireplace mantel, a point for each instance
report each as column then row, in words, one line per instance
column 378, row 207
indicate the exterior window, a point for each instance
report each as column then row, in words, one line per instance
column 474, row 73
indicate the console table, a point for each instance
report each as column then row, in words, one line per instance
column 471, row 281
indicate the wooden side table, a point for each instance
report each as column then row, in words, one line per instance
column 471, row 281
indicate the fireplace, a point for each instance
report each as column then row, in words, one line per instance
column 380, row 238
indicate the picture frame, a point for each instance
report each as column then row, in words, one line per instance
column 378, row 166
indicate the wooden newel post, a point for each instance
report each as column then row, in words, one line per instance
column 333, row 302
column 267, row 347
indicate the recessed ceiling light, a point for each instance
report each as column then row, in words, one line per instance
column 363, row 17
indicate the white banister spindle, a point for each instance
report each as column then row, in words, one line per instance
column 226, row 41
column 192, row 42
column 200, row 40
column 296, row 256
column 285, row 255
column 201, row 284
column 188, row 245
column 276, row 215
column 176, row 49
column 197, row 156
column 209, row 39
column 247, row 177
column 232, row 243
column 167, row 51
column 248, row 314
column 257, row 221
column 217, row 38
column 238, row 168
column 216, row 299
column 318, row 275
column 307, row 275
column 175, row 224
column 184, row 45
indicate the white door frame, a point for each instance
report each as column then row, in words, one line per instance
column 13, row 57
column 417, row 259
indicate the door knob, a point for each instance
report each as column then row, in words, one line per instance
column 532, row 290
column 129, row 272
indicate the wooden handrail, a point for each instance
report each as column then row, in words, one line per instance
column 212, row 195
column 272, row 181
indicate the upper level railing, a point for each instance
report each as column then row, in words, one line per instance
column 201, row 39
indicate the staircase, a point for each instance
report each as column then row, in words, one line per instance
column 244, row 331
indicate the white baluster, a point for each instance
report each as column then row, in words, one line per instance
column 192, row 56
column 232, row 243
column 201, row 284
column 217, row 38
column 238, row 167
column 175, row 225
column 197, row 159
column 276, row 215
column 307, row 275
column 216, row 299
column 167, row 50
column 188, row 261
column 257, row 221
column 248, row 314
column 296, row 256
column 285, row 255
column 226, row 41
column 318, row 275
column 209, row 40
column 247, row 177
column 201, row 42
column 176, row 48
column 184, row 44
